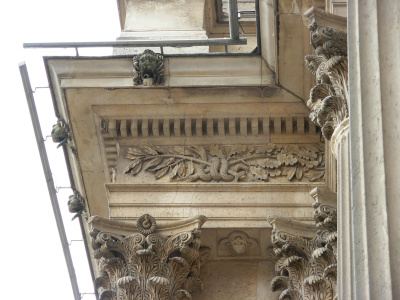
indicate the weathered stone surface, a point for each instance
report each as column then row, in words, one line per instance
column 374, row 70
column 223, row 136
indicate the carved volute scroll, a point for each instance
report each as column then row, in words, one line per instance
column 145, row 264
column 306, row 259
column 329, row 98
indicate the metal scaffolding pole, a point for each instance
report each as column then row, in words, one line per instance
column 49, row 178
column 141, row 43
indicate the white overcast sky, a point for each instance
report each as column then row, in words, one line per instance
column 32, row 262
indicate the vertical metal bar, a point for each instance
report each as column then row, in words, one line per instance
column 49, row 178
column 233, row 19
column 258, row 30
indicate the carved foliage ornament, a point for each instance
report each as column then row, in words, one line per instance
column 307, row 268
column 228, row 163
column 148, row 266
column 149, row 68
column 329, row 98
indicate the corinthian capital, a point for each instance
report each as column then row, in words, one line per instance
column 148, row 260
column 328, row 100
column 306, row 258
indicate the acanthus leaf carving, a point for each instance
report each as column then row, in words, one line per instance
column 146, row 265
column 306, row 266
column 329, row 98
column 217, row 163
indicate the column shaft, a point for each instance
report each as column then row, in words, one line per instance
column 374, row 74
column 344, row 217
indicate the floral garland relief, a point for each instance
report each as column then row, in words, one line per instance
column 229, row 163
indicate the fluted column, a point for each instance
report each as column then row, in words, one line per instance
column 374, row 81
column 340, row 149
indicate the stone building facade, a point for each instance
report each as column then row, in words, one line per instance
column 209, row 175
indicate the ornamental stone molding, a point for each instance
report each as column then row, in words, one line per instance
column 220, row 163
column 149, row 68
column 329, row 97
column 148, row 260
column 306, row 259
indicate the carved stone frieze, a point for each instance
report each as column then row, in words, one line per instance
column 145, row 264
column 238, row 243
column 329, row 98
column 149, row 68
column 306, row 259
column 228, row 163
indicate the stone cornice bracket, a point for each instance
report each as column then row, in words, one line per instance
column 306, row 259
column 144, row 264
column 148, row 68
column 329, row 98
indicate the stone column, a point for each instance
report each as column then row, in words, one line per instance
column 340, row 149
column 374, row 81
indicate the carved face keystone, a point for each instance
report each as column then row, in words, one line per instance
column 238, row 246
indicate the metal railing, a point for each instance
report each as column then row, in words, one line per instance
column 234, row 39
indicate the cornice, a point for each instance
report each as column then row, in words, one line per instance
column 117, row 72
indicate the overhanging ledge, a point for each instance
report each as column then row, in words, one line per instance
column 197, row 71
